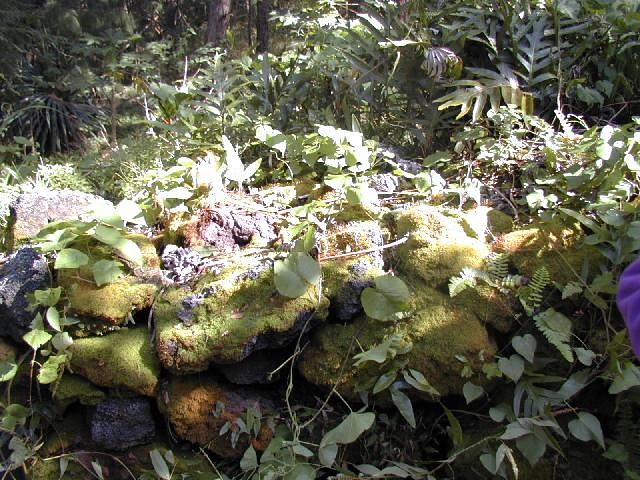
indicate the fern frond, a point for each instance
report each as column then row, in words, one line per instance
column 468, row 278
column 437, row 60
column 497, row 266
column 537, row 284
column 557, row 330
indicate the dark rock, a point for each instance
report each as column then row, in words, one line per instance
column 256, row 368
column 32, row 211
column 24, row 272
column 180, row 264
column 384, row 182
column 345, row 301
column 121, row 423
column 227, row 230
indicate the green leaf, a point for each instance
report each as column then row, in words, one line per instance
column 389, row 348
column 557, row 329
column 327, row 454
column 302, row 451
column 61, row 341
column 584, row 356
column 403, row 404
column 106, row 271
column 472, row 392
column 19, row 451
column 384, row 381
column 131, row 212
column 129, row 250
column 531, row 447
column 8, row 370
column 53, row 318
column 307, row 267
column 393, row 288
column 48, row 297
column 97, row 469
column 513, row 367
column 515, row 430
column 108, row 235
column 387, row 298
column 287, row 281
column 177, row 193
column 455, row 430
column 587, row 427
column 418, row 381
column 571, row 289
column 159, row 465
column 302, row 471
column 249, row 460
column 50, row 370
column 36, row 338
column 354, row 425
column 525, row 346
column 70, row 258
column 628, row 378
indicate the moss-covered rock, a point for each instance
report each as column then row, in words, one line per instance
column 438, row 246
column 198, row 408
column 112, row 304
column 226, row 317
column 123, row 359
column 438, row 331
column 74, row 388
column 554, row 245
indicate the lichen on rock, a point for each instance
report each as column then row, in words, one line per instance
column 226, row 317
column 123, row 359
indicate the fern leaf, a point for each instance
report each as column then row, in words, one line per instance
column 537, row 284
column 557, row 330
column 437, row 60
column 497, row 265
column 467, row 279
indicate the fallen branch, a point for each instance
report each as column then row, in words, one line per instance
column 368, row 250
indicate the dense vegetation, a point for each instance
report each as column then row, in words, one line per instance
column 527, row 107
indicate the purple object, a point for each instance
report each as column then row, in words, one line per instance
column 628, row 299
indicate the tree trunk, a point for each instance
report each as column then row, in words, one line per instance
column 262, row 26
column 217, row 21
column 249, row 8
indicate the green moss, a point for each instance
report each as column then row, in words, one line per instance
column 50, row 470
column 482, row 222
column 74, row 388
column 437, row 262
column 123, row 359
column 111, row 303
column 236, row 316
column 489, row 305
column 425, row 224
column 437, row 329
column 552, row 245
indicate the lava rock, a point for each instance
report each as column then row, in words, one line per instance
column 121, row 423
column 256, row 368
column 31, row 212
column 24, row 272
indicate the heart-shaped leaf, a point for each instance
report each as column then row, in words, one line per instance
column 512, row 367
column 525, row 346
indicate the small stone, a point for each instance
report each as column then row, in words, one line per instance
column 23, row 273
column 121, row 423
column 33, row 211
